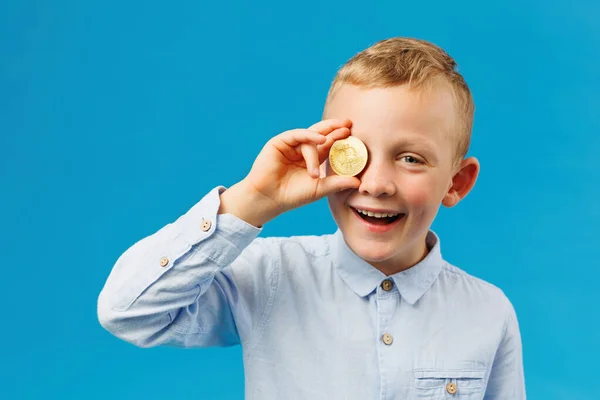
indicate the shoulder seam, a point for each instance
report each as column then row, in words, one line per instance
column 457, row 271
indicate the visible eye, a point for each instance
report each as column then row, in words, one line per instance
column 411, row 160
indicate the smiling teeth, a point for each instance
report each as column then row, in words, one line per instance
column 376, row 214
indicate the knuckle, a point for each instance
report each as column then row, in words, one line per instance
column 291, row 133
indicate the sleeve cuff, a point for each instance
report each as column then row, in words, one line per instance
column 203, row 221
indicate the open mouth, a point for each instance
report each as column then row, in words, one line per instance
column 377, row 218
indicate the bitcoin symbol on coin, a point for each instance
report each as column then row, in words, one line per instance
column 348, row 157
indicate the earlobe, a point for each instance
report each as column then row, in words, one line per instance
column 450, row 199
column 462, row 182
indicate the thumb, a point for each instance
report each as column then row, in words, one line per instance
column 336, row 183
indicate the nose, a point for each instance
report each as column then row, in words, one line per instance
column 377, row 180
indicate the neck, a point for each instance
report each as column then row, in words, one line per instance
column 402, row 262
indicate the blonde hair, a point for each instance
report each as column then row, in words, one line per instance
column 420, row 65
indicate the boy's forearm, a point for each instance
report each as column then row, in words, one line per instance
column 246, row 204
column 166, row 272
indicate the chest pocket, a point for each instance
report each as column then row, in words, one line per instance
column 458, row 382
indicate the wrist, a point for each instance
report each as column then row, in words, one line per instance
column 245, row 203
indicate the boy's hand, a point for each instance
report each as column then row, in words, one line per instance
column 285, row 175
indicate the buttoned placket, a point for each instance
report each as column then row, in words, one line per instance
column 387, row 301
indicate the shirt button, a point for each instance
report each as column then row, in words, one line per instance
column 206, row 225
column 451, row 388
column 164, row 261
column 387, row 338
column 387, row 285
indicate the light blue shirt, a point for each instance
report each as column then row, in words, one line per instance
column 314, row 320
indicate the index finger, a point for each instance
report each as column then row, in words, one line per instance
column 323, row 149
column 327, row 126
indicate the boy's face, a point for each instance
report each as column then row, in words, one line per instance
column 411, row 146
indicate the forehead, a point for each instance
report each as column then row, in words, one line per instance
column 396, row 112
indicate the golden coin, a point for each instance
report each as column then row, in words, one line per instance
column 348, row 156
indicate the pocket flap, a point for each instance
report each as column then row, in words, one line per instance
column 449, row 373
column 445, row 370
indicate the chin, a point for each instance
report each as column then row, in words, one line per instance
column 372, row 250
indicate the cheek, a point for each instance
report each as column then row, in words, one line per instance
column 336, row 203
column 336, row 200
column 420, row 192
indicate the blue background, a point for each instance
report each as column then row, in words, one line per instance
column 116, row 118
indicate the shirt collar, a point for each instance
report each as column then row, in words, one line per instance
column 363, row 278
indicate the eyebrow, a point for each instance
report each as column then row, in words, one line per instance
column 422, row 144
column 425, row 147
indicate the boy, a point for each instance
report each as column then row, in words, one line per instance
column 370, row 312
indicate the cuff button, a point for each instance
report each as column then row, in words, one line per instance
column 164, row 261
column 206, row 224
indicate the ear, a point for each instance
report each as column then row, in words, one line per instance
column 462, row 182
